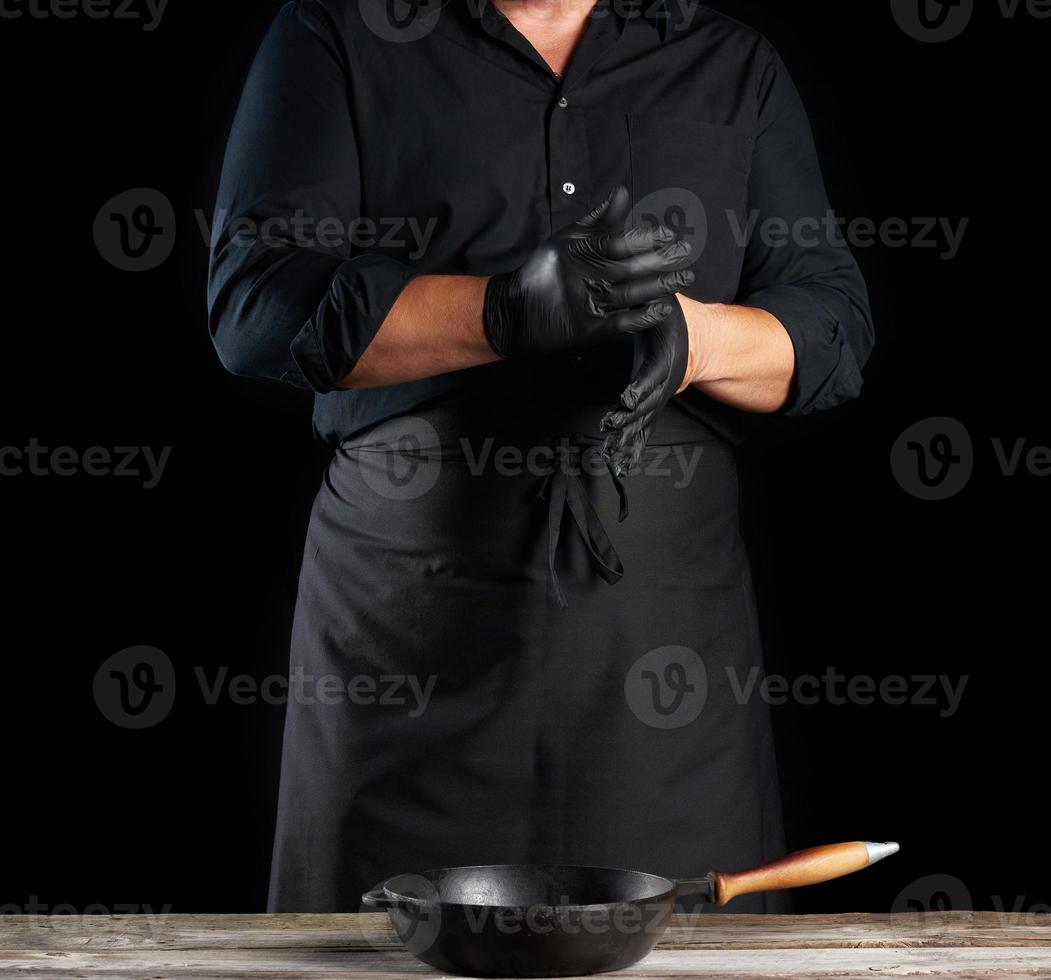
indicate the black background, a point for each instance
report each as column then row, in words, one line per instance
column 852, row 571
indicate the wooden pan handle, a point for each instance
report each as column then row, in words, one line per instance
column 801, row 868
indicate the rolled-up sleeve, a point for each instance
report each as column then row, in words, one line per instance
column 797, row 265
column 288, row 298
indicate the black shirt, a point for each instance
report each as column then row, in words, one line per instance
column 367, row 149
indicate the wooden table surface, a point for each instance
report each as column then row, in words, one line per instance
column 944, row 944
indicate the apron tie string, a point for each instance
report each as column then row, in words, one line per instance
column 562, row 488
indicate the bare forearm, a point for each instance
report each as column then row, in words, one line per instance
column 738, row 355
column 435, row 327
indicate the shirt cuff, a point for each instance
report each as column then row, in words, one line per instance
column 827, row 372
column 358, row 299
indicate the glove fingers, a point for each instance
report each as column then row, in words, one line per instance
column 660, row 363
column 621, row 243
column 624, row 449
column 665, row 357
column 665, row 258
column 633, row 321
column 644, row 394
column 611, row 213
column 638, row 400
column 640, row 292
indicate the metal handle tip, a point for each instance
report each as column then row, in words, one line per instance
column 878, row 851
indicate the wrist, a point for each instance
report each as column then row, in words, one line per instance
column 701, row 327
column 492, row 304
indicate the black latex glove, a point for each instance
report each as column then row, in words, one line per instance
column 658, row 372
column 589, row 282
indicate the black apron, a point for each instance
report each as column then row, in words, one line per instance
column 490, row 667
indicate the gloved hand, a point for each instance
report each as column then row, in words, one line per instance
column 589, row 282
column 659, row 370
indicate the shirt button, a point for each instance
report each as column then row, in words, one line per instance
column 569, row 188
column 563, row 102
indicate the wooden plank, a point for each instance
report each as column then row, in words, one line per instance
column 275, row 947
column 372, row 931
column 277, row 963
column 364, row 931
column 858, row 929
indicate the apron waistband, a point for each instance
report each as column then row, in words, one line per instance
column 561, row 487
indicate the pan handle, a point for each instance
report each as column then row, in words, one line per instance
column 808, row 867
column 377, row 899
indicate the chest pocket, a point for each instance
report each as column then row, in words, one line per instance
column 693, row 176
